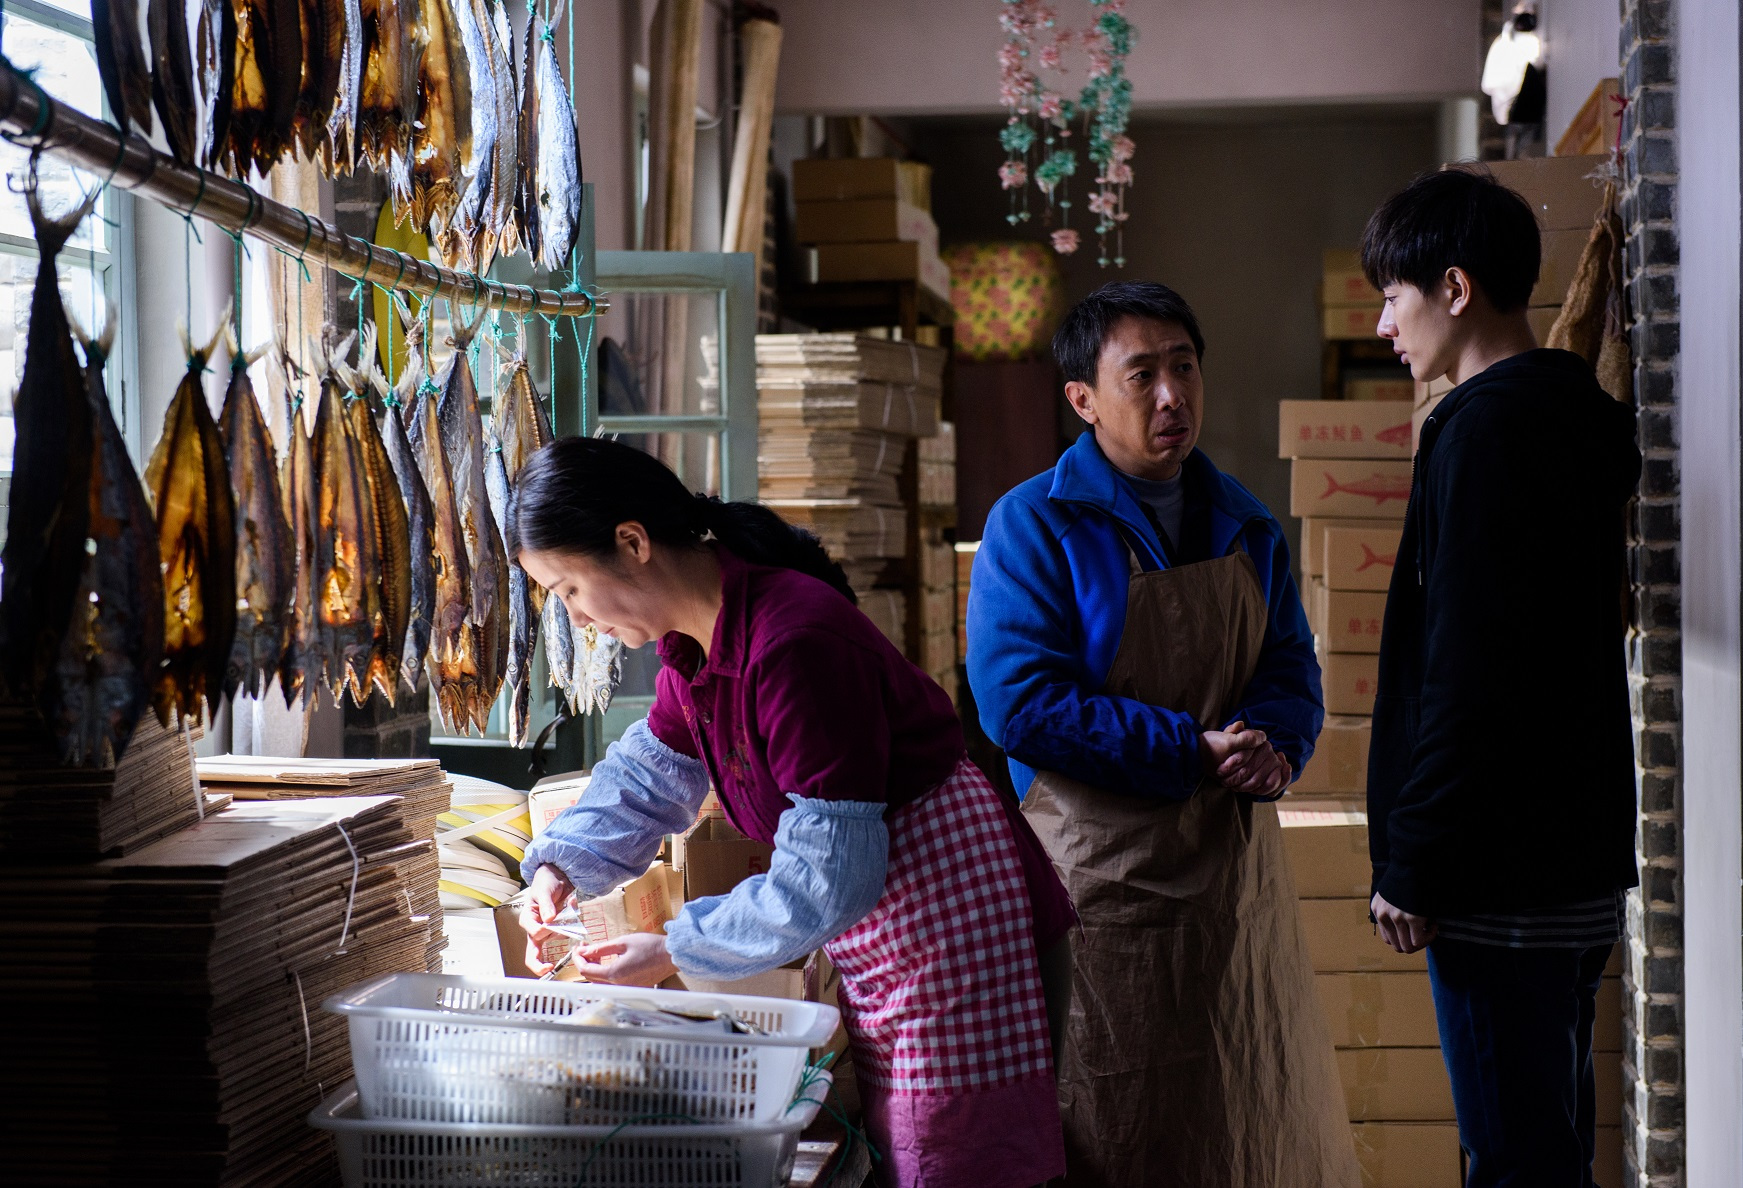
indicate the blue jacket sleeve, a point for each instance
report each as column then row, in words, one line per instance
column 827, row 873
column 1024, row 665
column 1284, row 698
column 641, row 791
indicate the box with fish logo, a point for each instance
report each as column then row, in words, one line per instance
column 1339, row 766
column 1349, row 488
column 1380, row 389
column 1350, row 680
column 1343, row 429
column 1313, row 530
column 1348, row 620
column 1360, row 556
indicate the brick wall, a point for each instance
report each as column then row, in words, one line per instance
column 1653, row 1064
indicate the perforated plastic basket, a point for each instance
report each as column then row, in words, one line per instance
column 381, row 1153
column 505, row 1051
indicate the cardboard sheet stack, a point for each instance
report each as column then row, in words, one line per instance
column 836, row 413
column 933, row 612
column 161, row 1011
column 868, row 219
column 965, row 552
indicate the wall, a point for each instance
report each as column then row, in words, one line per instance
column 1234, row 214
column 909, row 56
column 1579, row 50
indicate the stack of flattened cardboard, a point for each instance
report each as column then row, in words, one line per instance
column 837, row 414
column 932, row 599
column 868, row 219
column 161, row 1011
column 1564, row 193
column 965, row 553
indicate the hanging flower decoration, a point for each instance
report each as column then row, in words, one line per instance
column 1037, row 134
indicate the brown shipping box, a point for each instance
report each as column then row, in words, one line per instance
column 1559, row 189
column 841, row 178
column 1364, row 489
column 864, row 220
column 1327, row 850
column 1341, row 939
column 1343, row 429
column 1313, row 530
column 1349, row 620
column 545, row 802
column 1426, row 390
column 1561, row 259
column 640, row 905
column 1396, row 1084
column 1339, row 766
column 811, row 978
column 1409, row 1154
column 1607, row 1155
column 1380, row 389
column 1349, row 680
column 1378, row 1010
column 1343, row 282
column 1351, row 321
column 893, row 261
column 1360, row 558
column 714, row 858
column 1542, row 321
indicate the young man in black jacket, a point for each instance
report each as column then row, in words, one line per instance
column 1501, row 779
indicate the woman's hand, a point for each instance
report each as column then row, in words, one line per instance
column 551, row 892
column 637, row 959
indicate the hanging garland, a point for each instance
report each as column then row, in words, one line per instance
column 1037, row 135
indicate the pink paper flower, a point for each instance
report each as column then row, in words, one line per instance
column 1123, row 148
column 1049, row 57
column 1119, row 174
column 1049, row 107
column 1100, row 62
column 1011, row 57
column 1102, row 202
column 1013, row 174
column 1065, row 241
column 1010, row 95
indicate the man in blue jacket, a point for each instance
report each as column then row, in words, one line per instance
column 1137, row 646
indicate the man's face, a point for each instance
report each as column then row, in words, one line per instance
column 1421, row 327
column 1147, row 402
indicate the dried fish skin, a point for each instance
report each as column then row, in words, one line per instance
column 526, row 196
column 346, row 592
column 442, row 132
column 323, row 67
column 389, row 96
column 392, row 573
column 558, row 178
column 559, row 646
column 212, row 46
column 470, row 238
column 420, row 527
column 189, row 485
column 172, row 77
column 121, row 61
column 523, row 618
column 302, row 652
column 339, row 148
column 265, row 548
column 110, row 655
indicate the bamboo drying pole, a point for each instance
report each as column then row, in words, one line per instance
column 31, row 118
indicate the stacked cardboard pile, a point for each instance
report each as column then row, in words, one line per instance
column 161, row 1010
column 965, row 553
column 868, row 219
column 1565, row 198
column 836, row 417
column 933, row 610
column 1349, row 305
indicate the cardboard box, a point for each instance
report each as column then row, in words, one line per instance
column 1607, row 1027
column 546, row 801
column 1349, row 620
column 1396, row 1085
column 1409, row 1154
column 1420, row 417
column 1380, row 389
column 1361, row 558
column 1561, row 259
column 1351, row 321
column 1341, row 939
column 864, row 220
column 892, row 261
column 714, row 858
column 1607, row 1075
column 1427, row 390
column 1378, row 1010
column 640, row 905
column 1364, row 489
column 1607, row 1158
column 1339, row 765
column 811, row 978
column 1343, row 429
column 1327, row 849
column 1349, row 681
column 862, row 177
column 1342, row 280
column 1542, row 321
column 1559, row 189
column 1314, row 528
column 1596, row 124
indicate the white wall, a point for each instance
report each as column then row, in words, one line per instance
column 1580, row 47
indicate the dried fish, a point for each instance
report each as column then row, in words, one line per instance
column 420, row 520
column 189, row 486
column 526, row 195
column 347, row 596
column 46, row 523
column 172, row 77
column 559, row 639
column 265, row 548
column 250, row 95
column 389, row 97
column 121, row 61
column 598, row 669
column 429, row 188
column 470, row 237
column 450, row 635
column 501, row 234
column 302, row 653
column 110, row 655
column 339, row 149
column 522, row 618
column 212, row 45
column 323, row 68
column 392, row 573
column 557, row 182
column 281, row 62
column 520, row 431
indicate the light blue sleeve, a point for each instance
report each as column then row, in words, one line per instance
column 641, row 791
column 826, row 875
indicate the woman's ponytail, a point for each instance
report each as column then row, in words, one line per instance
column 571, row 496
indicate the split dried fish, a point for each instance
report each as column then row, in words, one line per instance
column 559, row 636
column 121, row 61
column 46, row 522
column 110, row 655
column 526, row 197
column 557, row 182
column 500, row 233
column 212, row 48
column 347, row 595
column 265, row 548
column 429, row 188
column 189, row 485
column 389, row 97
column 520, row 430
column 323, row 68
column 420, row 520
column 469, row 238
column 598, row 670
column 303, row 657
column 339, row 149
column 172, row 77
column 392, row 573
column 521, row 617
column 250, row 96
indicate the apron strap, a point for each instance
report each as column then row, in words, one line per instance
column 1134, row 555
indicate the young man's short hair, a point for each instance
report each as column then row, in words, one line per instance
column 1458, row 217
column 1078, row 341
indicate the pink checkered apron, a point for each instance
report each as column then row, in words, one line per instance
column 941, row 991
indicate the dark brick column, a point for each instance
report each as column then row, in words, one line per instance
column 1653, row 972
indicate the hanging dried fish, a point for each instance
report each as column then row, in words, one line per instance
column 212, row 44
column 598, row 669
column 339, row 149
column 526, row 193
column 389, row 97
column 249, row 95
column 392, row 573
column 189, row 486
column 265, row 548
column 520, row 430
column 450, row 635
column 557, row 181
column 323, row 69
column 347, row 594
column 429, row 187
column 303, row 657
column 522, row 619
column 110, row 655
column 559, row 637
column 281, row 63
column 420, row 517
column 500, row 232
column 46, row 524
column 121, row 61
column 172, row 78
column 469, row 239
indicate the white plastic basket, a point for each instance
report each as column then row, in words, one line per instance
column 504, row 1051
column 381, row 1153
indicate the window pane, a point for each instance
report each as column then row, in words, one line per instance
column 66, row 68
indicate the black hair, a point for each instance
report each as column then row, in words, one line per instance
column 1084, row 330
column 571, row 496
column 1459, row 217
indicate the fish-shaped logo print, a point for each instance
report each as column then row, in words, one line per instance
column 1370, row 559
column 1398, row 435
column 1381, row 489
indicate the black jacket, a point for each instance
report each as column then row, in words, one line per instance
column 1502, row 769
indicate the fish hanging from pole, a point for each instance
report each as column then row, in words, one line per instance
column 265, row 547
column 518, row 432
column 110, row 654
column 429, row 187
column 303, row 662
column 347, row 592
column 420, row 512
column 388, row 101
column 189, row 485
column 393, row 560
column 267, row 84
column 121, row 61
column 212, row 50
column 526, row 197
column 173, row 90
column 338, row 150
column 557, row 180
column 323, row 69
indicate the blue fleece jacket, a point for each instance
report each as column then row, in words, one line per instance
column 1047, row 606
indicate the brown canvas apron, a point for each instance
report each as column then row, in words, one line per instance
column 1196, row 1055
